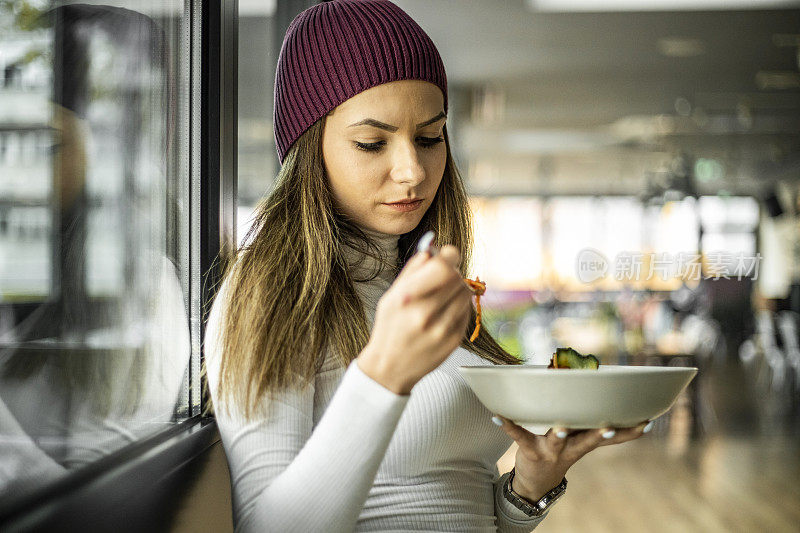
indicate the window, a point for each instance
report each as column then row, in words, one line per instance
column 508, row 242
column 99, row 277
column 534, row 244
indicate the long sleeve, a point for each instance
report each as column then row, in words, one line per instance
column 23, row 464
column 509, row 518
column 287, row 475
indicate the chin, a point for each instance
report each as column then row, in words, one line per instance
column 398, row 226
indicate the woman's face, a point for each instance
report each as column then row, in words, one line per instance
column 383, row 148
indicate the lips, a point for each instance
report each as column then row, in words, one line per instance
column 405, row 205
column 406, row 201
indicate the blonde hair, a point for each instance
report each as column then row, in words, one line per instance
column 291, row 296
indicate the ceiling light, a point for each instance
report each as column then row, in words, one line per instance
column 681, row 47
column 566, row 6
column 772, row 80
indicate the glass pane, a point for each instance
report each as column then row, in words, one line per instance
column 508, row 242
column 94, row 224
column 573, row 227
column 729, row 214
column 25, row 243
column 258, row 56
column 675, row 228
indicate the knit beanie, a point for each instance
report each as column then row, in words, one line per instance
column 337, row 49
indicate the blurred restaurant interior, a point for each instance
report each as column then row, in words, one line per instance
column 634, row 172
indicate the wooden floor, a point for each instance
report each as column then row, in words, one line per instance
column 740, row 472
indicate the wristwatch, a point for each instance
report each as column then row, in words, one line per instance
column 533, row 508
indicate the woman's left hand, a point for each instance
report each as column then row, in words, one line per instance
column 543, row 460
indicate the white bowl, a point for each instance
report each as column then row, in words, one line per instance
column 538, row 398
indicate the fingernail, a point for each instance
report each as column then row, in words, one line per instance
column 425, row 241
column 497, row 420
column 608, row 434
column 561, row 434
column 649, row 426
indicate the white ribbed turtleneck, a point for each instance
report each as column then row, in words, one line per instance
column 347, row 454
column 363, row 266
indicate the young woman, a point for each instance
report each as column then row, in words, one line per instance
column 332, row 349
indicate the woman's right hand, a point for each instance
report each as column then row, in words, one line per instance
column 419, row 321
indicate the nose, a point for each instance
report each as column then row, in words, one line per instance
column 407, row 168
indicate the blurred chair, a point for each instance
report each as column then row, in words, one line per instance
column 772, row 376
column 788, row 326
column 748, row 353
column 702, row 337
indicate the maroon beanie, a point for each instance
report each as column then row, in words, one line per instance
column 337, row 49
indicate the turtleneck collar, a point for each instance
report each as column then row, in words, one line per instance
column 363, row 266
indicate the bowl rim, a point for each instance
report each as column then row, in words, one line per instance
column 543, row 370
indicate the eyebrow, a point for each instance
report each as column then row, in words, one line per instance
column 387, row 127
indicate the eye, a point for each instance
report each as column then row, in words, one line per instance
column 370, row 147
column 425, row 142
column 429, row 142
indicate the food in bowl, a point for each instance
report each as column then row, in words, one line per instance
column 569, row 358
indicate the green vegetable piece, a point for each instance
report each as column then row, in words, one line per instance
column 569, row 358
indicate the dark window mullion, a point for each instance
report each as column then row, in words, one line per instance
column 218, row 139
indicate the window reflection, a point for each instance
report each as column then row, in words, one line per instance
column 94, row 330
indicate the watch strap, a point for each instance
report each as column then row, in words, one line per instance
column 537, row 508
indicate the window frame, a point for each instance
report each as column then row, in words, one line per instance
column 212, row 31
